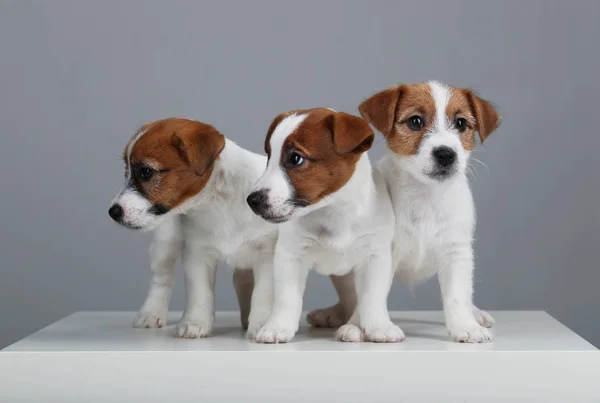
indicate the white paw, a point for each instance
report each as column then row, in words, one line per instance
column 483, row 318
column 255, row 323
column 251, row 332
column 334, row 316
column 191, row 330
column 389, row 333
column 350, row 333
column 470, row 334
column 274, row 334
column 149, row 320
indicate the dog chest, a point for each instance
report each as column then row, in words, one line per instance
column 331, row 262
column 424, row 232
column 340, row 258
column 238, row 241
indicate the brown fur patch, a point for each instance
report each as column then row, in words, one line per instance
column 407, row 101
column 486, row 117
column 331, row 144
column 380, row 109
column 460, row 107
column 181, row 152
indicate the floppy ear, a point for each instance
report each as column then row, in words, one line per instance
column 350, row 133
column 272, row 127
column 380, row 109
column 198, row 145
column 486, row 117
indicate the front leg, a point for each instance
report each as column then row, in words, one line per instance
column 200, row 266
column 456, row 284
column 262, row 297
column 289, row 275
column 164, row 252
column 373, row 283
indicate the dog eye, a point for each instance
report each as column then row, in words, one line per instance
column 415, row 123
column 460, row 124
column 296, row 159
column 146, row 173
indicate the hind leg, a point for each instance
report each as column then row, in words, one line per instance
column 483, row 318
column 338, row 314
column 243, row 282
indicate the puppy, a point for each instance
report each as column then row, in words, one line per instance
column 430, row 131
column 335, row 216
column 188, row 184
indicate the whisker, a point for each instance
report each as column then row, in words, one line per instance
column 471, row 170
column 481, row 163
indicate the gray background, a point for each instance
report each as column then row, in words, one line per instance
column 78, row 77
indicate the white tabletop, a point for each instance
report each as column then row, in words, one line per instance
column 99, row 357
column 425, row 331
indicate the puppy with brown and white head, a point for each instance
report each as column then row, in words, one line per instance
column 186, row 182
column 335, row 216
column 430, row 131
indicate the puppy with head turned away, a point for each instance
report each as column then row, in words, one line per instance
column 335, row 216
column 188, row 184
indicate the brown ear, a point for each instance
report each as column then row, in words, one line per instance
column 198, row 145
column 380, row 109
column 272, row 127
column 486, row 117
column 350, row 133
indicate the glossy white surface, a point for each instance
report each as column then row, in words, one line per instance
column 99, row 357
column 425, row 331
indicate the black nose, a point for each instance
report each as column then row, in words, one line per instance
column 444, row 156
column 116, row 212
column 257, row 200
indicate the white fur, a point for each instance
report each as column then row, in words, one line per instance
column 135, row 210
column 214, row 225
column 274, row 177
column 435, row 221
column 349, row 230
column 130, row 148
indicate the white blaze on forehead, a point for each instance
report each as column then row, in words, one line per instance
column 274, row 178
column 130, row 148
column 441, row 96
column 286, row 127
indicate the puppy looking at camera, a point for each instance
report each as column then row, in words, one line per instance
column 335, row 216
column 188, row 184
column 430, row 132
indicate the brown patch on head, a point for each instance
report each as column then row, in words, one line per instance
column 459, row 107
column 478, row 113
column 487, row 118
column 331, row 143
column 179, row 153
column 390, row 112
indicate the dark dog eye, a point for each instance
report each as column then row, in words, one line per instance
column 415, row 123
column 460, row 124
column 296, row 159
column 146, row 173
